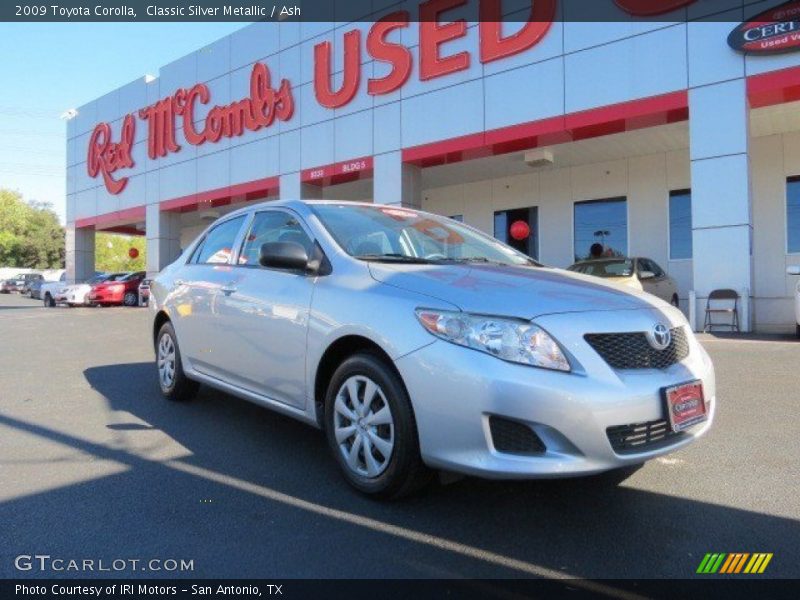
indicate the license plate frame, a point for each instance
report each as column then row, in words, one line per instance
column 690, row 391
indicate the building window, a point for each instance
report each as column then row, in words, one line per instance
column 601, row 228
column 680, row 224
column 793, row 214
column 504, row 221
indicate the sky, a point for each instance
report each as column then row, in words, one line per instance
column 48, row 68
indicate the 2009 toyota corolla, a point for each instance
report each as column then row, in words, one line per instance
column 418, row 343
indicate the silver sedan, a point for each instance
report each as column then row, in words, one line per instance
column 418, row 343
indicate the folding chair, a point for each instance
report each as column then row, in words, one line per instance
column 724, row 296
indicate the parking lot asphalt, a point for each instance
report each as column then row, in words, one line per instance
column 95, row 465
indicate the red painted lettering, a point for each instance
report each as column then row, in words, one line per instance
column 395, row 54
column 352, row 71
column 433, row 34
column 494, row 46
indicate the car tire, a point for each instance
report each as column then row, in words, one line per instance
column 172, row 380
column 797, row 331
column 49, row 302
column 364, row 425
column 130, row 299
column 675, row 301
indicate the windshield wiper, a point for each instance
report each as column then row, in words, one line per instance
column 395, row 258
column 488, row 261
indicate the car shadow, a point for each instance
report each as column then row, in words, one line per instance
column 277, row 504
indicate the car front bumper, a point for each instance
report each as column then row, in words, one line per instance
column 106, row 297
column 455, row 391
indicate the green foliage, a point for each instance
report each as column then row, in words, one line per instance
column 111, row 252
column 30, row 235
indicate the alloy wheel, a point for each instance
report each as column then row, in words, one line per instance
column 166, row 361
column 363, row 426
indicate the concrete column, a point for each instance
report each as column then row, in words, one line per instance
column 395, row 182
column 293, row 188
column 721, row 204
column 79, row 253
column 163, row 238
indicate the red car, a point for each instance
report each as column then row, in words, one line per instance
column 124, row 290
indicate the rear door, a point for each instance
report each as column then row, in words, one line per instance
column 196, row 297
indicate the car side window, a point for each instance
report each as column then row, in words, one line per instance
column 657, row 269
column 272, row 226
column 217, row 247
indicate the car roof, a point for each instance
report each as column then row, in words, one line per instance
column 298, row 205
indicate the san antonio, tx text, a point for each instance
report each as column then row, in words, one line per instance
column 130, row 589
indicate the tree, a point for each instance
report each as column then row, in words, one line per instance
column 31, row 236
column 111, row 252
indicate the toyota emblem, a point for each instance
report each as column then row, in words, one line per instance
column 660, row 337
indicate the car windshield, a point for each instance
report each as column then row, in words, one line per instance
column 129, row 276
column 605, row 268
column 385, row 233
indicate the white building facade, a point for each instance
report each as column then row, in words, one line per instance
column 653, row 136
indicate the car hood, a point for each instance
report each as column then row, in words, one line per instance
column 523, row 292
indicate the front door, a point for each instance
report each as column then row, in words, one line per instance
column 264, row 314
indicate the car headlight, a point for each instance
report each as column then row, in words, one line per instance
column 509, row 339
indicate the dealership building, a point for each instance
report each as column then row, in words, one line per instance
column 674, row 137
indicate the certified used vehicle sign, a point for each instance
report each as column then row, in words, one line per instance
column 685, row 405
column 774, row 31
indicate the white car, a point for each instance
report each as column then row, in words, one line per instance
column 795, row 270
column 639, row 273
column 77, row 294
column 50, row 289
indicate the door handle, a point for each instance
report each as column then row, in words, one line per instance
column 179, row 282
column 228, row 289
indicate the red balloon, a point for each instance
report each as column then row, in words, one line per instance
column 520, row 230
column 133, row 253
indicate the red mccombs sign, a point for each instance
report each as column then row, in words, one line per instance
column 265, row 104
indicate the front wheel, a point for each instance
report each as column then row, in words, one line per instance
column 49, row 302
column 371, row 429
column 675, row 302
column 171, row 378
column 797, row 331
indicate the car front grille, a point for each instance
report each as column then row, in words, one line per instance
column 642, row 437
column 513, row 437
column 632, row 350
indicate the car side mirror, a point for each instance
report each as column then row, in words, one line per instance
column 793, row 270
column 283, row 255
column 647, row 275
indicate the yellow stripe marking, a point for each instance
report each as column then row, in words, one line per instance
column 749, row 567
column 759, row 559
column 765, row 563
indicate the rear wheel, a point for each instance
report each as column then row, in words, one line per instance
column 797, row 331
column 171, row 378
column 371, row 429
column 130, row 299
